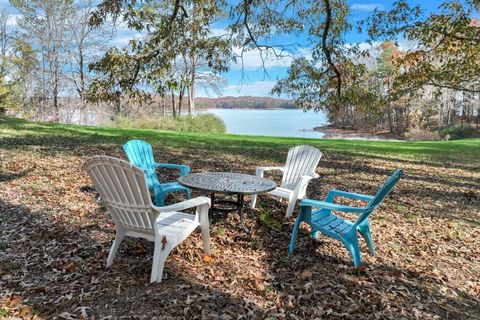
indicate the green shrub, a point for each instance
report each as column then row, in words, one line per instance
column 457, row 132
column 200, row 123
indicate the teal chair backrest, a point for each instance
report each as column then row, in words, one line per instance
column 381, row 194
column 140, row 154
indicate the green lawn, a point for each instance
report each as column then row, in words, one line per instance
column 55, row 235
column 15, row 131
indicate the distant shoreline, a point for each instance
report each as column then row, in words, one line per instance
column 332, row 132
column 245, row 108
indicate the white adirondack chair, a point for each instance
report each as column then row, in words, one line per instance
column 297, row 173
column 124, row 191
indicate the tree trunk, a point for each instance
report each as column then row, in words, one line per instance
column 478, row 119
column 55, row 101
column 85, row 116
column 180, row 98
column 118, row 108
column 191, row 98
column 174, row 111
column 389, row 118
column 162, row 105
column 191, row 87
column 399, row 120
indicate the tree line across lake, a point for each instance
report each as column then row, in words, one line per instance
column 59, row 61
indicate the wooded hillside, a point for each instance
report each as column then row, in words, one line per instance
column 247, row 102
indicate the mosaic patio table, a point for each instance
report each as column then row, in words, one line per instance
column 229, row 183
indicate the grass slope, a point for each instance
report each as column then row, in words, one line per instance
column 55, row 236
column 465, row 152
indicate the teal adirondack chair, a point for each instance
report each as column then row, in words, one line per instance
column 324, row 221
column 140, row 154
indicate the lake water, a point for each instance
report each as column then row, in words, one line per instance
column 278, row 123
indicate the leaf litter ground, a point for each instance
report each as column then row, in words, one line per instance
column 55, row 239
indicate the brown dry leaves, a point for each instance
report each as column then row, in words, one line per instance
column 55, row 239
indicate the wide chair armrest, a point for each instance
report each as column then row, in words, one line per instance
column 331, row 206
column 303, row 180
column 314, row 175
column 260, row 170
column 351, row 195
column 191, row 203
column 184, row 169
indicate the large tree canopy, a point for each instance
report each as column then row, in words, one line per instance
column 333, row 76
column 169, row 28
column 446, row 50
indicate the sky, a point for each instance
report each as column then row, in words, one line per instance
column 254, row 80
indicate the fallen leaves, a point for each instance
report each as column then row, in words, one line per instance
column 69, row 267
column 56, row 237
column 306, row 274
column 208, row 259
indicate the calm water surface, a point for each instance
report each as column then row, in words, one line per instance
column 278, row 123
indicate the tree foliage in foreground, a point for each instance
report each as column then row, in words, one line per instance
column 447, row 52
column 175, row 52
column 358, row 88
column 181, row 28
column 395, row 90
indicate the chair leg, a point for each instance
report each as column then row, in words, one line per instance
column 296, row 226
column 159, row 257
column 365, row 232
column 351, row 243
column 189, row 193
column 291, row 206
column 253, row 201
column 314, row 234
column 119, row 236
column 205, row 228
column 159, row 198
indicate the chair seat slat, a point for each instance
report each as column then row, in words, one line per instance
column 123, row 189
column 346, row 231
column 299, row 169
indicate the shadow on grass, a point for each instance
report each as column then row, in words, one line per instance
column 65, row 137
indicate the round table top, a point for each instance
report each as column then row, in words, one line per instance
column 227, row 182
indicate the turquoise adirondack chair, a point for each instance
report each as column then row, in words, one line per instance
column 140, row 154
column 324, row 221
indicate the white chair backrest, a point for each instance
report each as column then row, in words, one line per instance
column 123, row 190
column 301, row 160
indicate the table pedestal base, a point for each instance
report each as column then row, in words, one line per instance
column 234, row 206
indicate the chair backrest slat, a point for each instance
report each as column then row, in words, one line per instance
column 101, row 189
column 127, row 218
column 105, row 176
column 124, row 191
column 121, row 192
column 123, row 217
column 381, row 194
column 301, row 160
column 140, row 154
column 386, row 188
